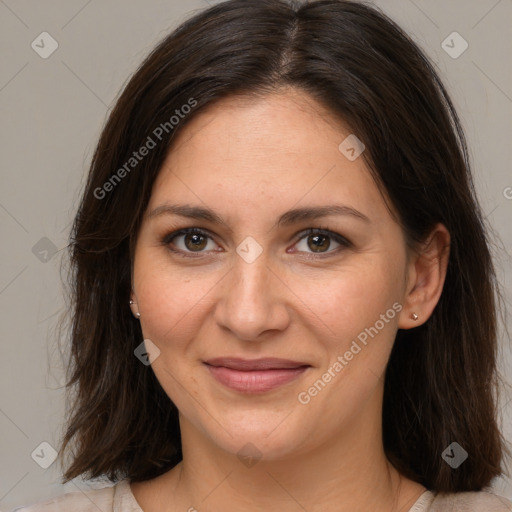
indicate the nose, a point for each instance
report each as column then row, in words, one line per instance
column 252, row 300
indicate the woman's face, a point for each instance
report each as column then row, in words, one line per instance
column 255, row 284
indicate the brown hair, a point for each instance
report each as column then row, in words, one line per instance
column 441, row 381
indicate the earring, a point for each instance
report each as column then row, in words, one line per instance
column 414, row 316
column 137, row 314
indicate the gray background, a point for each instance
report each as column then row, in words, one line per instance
column 52, row 112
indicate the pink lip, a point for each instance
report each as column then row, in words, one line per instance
column 254, row 376
column 265, row 363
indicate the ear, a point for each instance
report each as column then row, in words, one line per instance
column 426, row 274
column 133, row 305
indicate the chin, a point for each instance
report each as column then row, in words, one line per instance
column 263, row 437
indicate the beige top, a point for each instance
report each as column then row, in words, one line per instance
column 119, row 498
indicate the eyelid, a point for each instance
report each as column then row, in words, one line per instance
column 326, row 232
column 341, row 240
column 186, row 231
column 167, row 239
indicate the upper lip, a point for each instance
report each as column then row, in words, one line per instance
column 267, row 363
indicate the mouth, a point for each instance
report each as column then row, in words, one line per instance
column 256, row 375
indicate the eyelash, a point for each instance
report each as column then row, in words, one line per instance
column 344, row 243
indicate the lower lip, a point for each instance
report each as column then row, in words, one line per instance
column 255, row 381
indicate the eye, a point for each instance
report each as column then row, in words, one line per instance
column 193, row 240
column 319, row 241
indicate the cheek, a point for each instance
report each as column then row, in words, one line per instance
column 172, row 309
column 169, row 302
column 354, row 298
column 360, row 307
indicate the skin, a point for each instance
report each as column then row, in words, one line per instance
column 250, row 160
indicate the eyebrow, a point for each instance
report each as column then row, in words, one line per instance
column 286, row 219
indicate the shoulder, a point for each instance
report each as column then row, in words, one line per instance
column 77, row 501
column 481, row 501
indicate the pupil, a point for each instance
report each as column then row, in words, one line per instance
column 196, row 241
column 316, row 245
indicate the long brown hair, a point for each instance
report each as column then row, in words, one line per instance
column 441, row 381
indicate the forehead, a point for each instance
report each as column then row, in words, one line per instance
column 285, row 123
column 282, row 148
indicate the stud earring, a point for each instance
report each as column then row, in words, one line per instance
column 137, row 314
column 414, row 316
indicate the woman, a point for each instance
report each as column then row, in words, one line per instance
column 283, row 292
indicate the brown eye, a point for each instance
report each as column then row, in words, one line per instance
column 195, row 242
column 320, row 241
column 191, row 240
